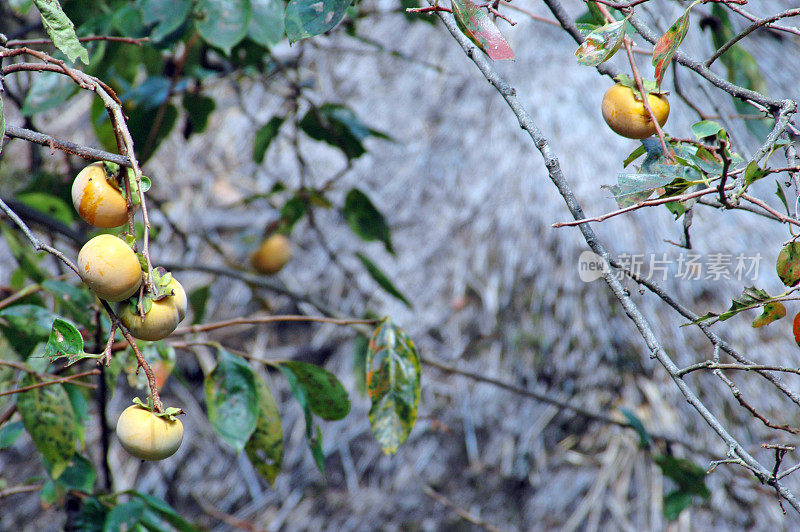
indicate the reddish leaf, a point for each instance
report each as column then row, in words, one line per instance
column 796, row 328
column 666, row 46
column 476, row 24
column 772, row 311
column 601, row 44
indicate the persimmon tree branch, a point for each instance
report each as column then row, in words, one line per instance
column 38, row 245
column 654, row 346
column 258, row 320
column 66, row 146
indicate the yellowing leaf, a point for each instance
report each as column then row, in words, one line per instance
column 772, row 312
column 601, row 44
column 393, row 384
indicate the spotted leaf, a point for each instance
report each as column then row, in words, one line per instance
column 393, row 384
column 666, row 46
column 48, row 417
column 479, row 28
column 601, row 44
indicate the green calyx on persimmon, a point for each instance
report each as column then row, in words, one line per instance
column 162, row 311
column 97, row 197
column 272, row 255
column 110, row 268
column 147, row 435
column 625, row 114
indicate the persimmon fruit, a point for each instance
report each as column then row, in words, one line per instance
column 96, row 199
column 148, row 436
column 110, row 268
column 626, row 115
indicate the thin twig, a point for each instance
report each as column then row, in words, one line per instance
column 463, row 514
column 709, row 364
column 748, row 30
column 737, row 394
column 19, row 489
column 66, row 146
column 58, row 380
column 205, row 327
column 645, row 203
column 129, row 40
column 38, row 245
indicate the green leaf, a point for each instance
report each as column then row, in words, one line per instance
column 61, row 30
column 26, row 326
column 772, row 312
column 635, row 154
column 80, row 407
column 265, row 446
column 601, row 44
column 638, row 426
column 9, row 433
column 340, row 127
column 78, row 476
column 307, row 18
column 365, row 220
column 24, row 255
column 50, row 421
column 689, row 477
column 668, row 44
column 788, row 264
column 393, row 385
column 166, row 15
column 675, row 502
column 753, row 172
column 48, row 91
column 198, row 109
column 65, row 341
column 634, row 188
column 48, row 204
column 223, row 23
column 706, row 128
column 360, row 348
column 751, row 297
column 292, row 211
column 313, row 437
column 198, row 299
column 476, row 24
column 326, row 396
column 383, row 281
column 742, row 70
column 92, row 516
column 265, row 136
column 124, row 516
column 267, row 23
column 232, row 399
column 165, row 511
column 140, row 123
column 782, row 197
